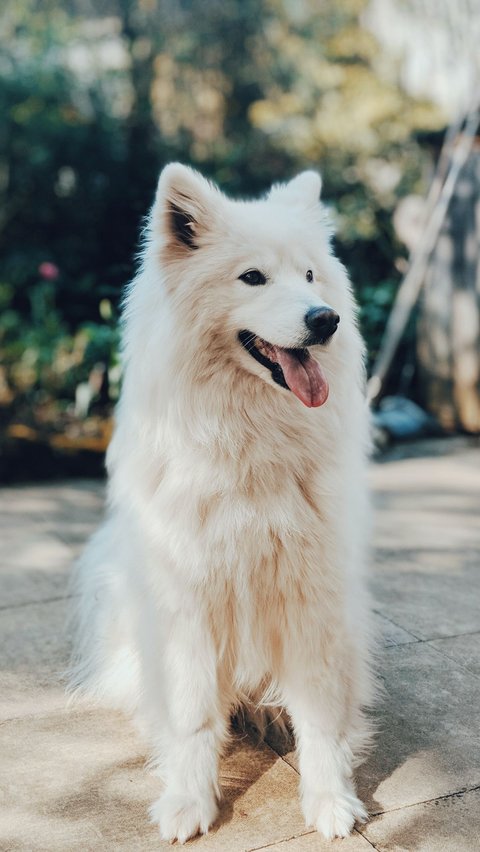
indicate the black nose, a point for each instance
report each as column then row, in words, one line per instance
column 321, row 323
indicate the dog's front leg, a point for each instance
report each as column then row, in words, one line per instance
column 316, row 698
column 194, row 733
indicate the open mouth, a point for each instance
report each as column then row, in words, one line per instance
column 293, row 369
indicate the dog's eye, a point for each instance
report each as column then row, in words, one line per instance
column 253, row 277
column 309, row 275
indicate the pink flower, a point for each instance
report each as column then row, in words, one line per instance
column 49, row 271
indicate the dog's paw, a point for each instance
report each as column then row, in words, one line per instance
column 181, row 816
column 333, row 814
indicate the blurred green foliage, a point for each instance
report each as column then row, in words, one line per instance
column 96, row 97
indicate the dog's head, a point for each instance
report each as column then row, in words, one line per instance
column 254, row 280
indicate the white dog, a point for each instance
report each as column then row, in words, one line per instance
column 230, row 567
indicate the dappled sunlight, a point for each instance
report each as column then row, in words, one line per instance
column 429, row 507
column 65, row 801
column 450, row 823
column 426, row 745
column 381, row 98
column 77, row 777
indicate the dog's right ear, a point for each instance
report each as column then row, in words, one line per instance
column 183, row 207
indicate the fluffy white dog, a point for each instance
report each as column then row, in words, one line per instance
column 230, row 568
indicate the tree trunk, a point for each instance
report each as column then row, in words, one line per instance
column 448, row 327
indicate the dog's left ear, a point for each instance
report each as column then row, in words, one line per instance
column 183, row 207
column 303, row 189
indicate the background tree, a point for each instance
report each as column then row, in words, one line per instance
column 96, row 96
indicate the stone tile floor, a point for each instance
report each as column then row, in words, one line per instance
column 74, row 778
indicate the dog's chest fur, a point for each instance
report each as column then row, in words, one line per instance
column 251, row 539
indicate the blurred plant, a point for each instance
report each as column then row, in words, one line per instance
column 49, row 271
column 94, row 101
column 41, row 360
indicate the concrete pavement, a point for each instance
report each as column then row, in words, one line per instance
column 74, row 779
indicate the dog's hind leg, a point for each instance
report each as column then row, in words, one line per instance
column 196, row 713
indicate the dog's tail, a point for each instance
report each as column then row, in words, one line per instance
column 104, row 665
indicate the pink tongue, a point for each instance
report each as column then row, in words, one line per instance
column 305, row 378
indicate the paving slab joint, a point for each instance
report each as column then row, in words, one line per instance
column 456, row 794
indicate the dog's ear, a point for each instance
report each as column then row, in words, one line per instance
column 183, row 207
column 303, row 189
